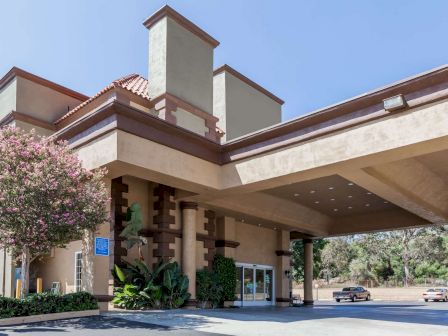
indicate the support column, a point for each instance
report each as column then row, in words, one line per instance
column 283, row 269
column 6, row 274
column 189, row 215
column 226, row 237
column 118, row 202
column 308, row 272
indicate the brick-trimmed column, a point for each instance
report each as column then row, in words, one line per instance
column 189, row 216
column 118, row 216
column 209, row 243
column 163, row 219
column 308, row 272
column 283, row 280
column 116, row 227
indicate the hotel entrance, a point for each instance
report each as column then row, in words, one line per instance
column 255, row 285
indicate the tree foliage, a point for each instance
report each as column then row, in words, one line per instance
column 47, row 199
column 298, row 258
column 404, row 256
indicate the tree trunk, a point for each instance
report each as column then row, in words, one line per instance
column 87, row 261
column 407, row 274
column 406, row 241
column 25, row 272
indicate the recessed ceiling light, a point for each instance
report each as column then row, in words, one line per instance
column 368, row 193
column 350, row 207
column 350, row 184
column 330, row 188
column 335, row 209
column 349, row 196
column 275, row 228
column 385, row 202
column 367, row 204
column 296, row 195
column 332, row 199
column 317, row 202
column 242, row 220
column 259, row 225
column 312, row 191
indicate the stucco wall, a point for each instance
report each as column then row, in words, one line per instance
column 8, row 96
column 6, row 274
column 28, row 127
column 42, row 102
column 257, row 245
column 190, row 121
column 241, row 108
column 180, row 63
column 59, row 267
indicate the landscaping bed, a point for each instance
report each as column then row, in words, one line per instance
column 36, row 306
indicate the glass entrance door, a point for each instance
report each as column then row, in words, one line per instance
column 255, row 285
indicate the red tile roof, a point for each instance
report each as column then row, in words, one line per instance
column 133, row 83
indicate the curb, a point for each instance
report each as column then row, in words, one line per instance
column 47, row 317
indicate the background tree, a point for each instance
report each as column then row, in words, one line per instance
column 336, row 257
column 404, row 256
column 298, row 258
column 46, row 198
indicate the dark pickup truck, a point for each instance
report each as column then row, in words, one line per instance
column 352, row 293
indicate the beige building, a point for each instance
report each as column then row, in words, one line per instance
column 204, row 153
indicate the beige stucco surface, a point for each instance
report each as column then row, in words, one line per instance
column 42, row 102
column 241, row 108
column 399, row 136
column 257, row 245
column 28, row 127
column 6, row 273
column 190, row 121
column 59, row 268
column 8, row 98
column 180, row 63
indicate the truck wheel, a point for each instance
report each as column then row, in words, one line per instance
column 338, row 300
column 354, row 298
column 426, row 300
column 368, row 298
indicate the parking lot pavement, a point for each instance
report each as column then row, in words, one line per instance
column 95, row 326
column 359, row 318
column 325, row 318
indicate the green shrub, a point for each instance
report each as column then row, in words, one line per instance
column 164, row 287
column 208, row 289
column 225, row 270
column 130, row 297
column 46, row 303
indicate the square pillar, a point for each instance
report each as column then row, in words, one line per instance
column 226, row 237
column 6, row 274
column 283, row 269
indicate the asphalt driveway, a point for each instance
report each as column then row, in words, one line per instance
column 359, row 318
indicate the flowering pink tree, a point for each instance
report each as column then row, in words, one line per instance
column 47, row 199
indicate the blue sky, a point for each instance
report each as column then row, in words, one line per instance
column 309, row 53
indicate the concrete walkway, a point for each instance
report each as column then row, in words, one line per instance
column 360, row 318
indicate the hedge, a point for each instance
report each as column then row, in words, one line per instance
column 46, row 303
column 226, row 273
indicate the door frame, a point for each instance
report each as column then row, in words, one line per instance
column 254, row 303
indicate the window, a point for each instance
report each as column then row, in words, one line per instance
column 78, row 271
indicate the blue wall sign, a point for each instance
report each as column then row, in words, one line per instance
column 101, row 246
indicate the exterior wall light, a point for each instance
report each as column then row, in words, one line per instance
column 394, row 103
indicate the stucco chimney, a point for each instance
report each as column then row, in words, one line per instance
column 180, row 61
